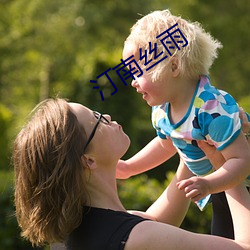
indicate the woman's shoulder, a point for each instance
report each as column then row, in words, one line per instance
column 110, row 227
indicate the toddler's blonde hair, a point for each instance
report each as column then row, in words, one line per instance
column 194, row 59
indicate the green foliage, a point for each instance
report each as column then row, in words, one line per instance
column 50, row 47
column 245, row 103
column 228, row 22
column 5, row 123
column 139, row 192
column 57, row 47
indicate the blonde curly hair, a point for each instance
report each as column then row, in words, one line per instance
column 49, row 181
column 194, row 59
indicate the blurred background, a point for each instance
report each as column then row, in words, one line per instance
column 50, row 48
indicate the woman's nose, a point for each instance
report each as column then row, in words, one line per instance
column 108, row 117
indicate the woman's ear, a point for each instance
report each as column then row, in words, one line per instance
column 175, row 66
column 89, row 161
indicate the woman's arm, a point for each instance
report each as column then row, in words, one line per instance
column 239, row 203
column 171, row 207
column 160, row 236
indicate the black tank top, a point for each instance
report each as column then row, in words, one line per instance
column 102, row 229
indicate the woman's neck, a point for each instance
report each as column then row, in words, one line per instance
column 102, row 189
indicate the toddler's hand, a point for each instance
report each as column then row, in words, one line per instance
column 122, row 170
column 194, row 187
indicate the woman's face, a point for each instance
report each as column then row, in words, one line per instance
column 109, row 138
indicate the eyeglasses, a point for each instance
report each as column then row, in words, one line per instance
column 100, row 118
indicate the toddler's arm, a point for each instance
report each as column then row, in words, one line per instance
column 153, row 154
column 234, row 171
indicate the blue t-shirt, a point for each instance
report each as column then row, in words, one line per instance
column 213, row 115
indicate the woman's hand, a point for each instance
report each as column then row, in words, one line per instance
column 245, row 124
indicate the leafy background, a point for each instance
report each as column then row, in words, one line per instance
column 50, row 48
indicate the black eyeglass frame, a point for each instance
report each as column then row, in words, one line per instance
column 100, row 118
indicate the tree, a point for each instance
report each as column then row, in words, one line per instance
column 50, row 48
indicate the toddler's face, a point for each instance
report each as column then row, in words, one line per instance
column 152, row 92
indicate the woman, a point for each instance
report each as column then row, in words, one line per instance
column 65, row 191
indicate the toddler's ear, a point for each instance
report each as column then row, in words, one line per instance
column 175, row 66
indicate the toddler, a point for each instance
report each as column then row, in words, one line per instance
column 175, row 56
